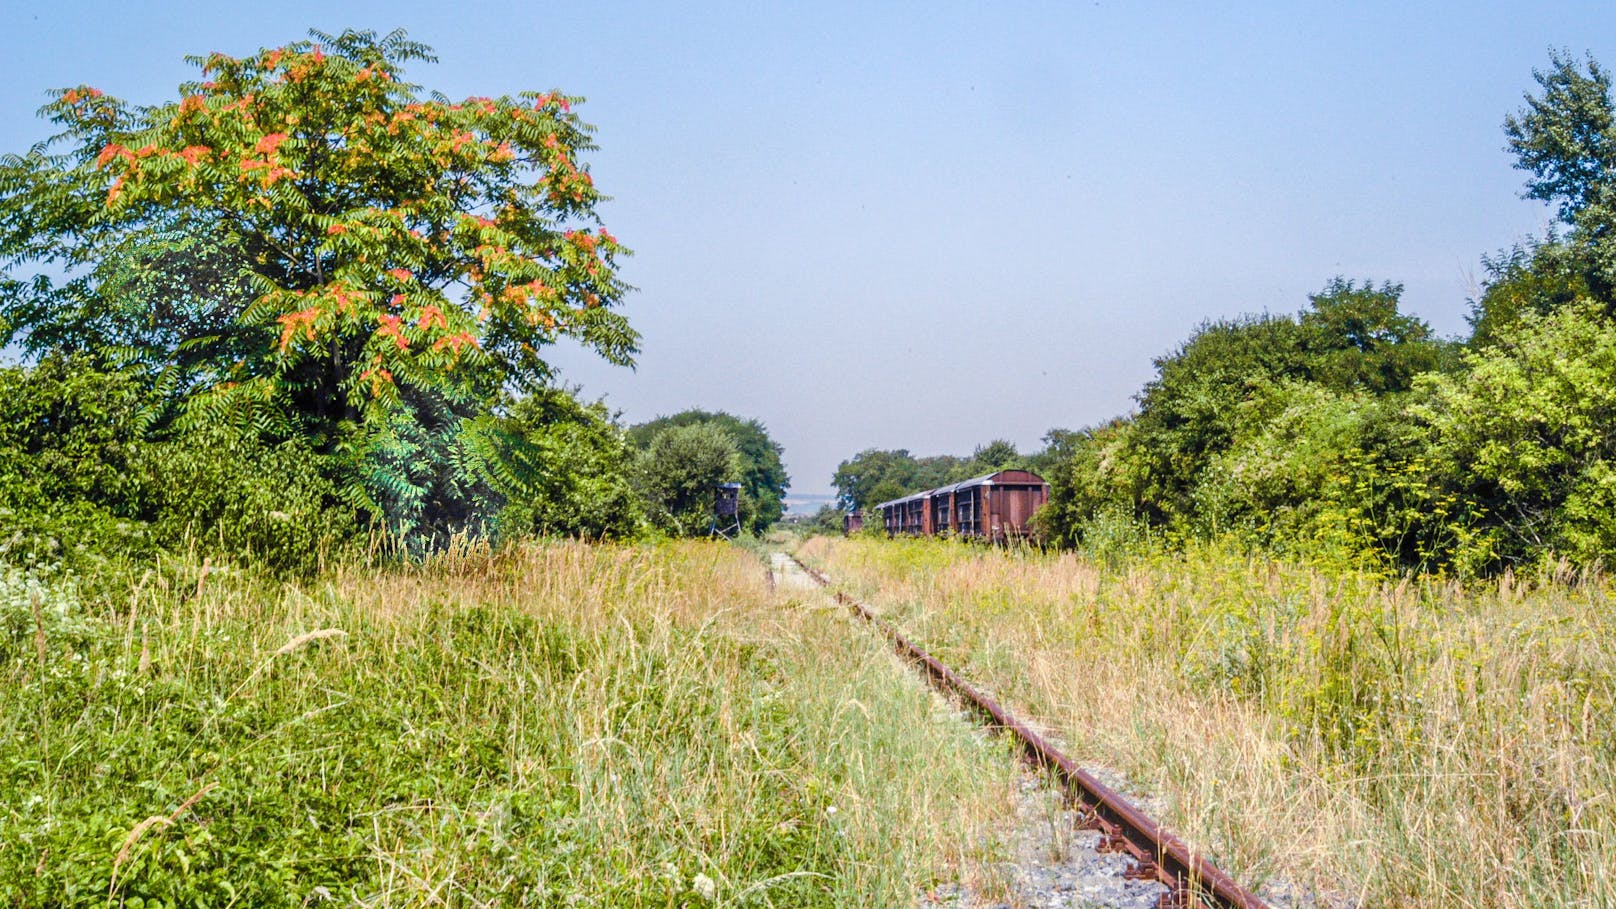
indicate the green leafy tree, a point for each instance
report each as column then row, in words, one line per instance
column 343, row 258
column 875, row 475
column 886, row 490
column 1355, row 338
column 559, row 467
column 678, row 470
column 996, row 455
column 1187, row 414
column 763, row 476
column 1566, row 138
column 1534, row 277
column 1059, row 446
column 1526, row 439
column 1085, row 481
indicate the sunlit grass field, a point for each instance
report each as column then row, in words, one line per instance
column 553, row 725
column 1397, row 742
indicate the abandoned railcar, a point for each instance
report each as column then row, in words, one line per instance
column 994, row 507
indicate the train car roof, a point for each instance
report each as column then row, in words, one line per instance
column 902, row 499
column 1009, row 477
column 1006, row 477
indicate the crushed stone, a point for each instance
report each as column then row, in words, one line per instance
column 1052, row 864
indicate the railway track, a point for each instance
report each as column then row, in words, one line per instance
column 1190, row 879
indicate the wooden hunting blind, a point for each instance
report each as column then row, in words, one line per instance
column 727, row 499
column 726, row 509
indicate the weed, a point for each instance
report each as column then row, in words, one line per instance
column 557, row 724
column 1411, row 742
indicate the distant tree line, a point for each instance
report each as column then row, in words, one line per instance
column 1349, row 429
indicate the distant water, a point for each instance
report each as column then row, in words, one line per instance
column 807, row 503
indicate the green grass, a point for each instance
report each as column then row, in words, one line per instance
column 1403, row 742
column 558, row 725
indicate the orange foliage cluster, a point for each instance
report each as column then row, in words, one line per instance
column 268, row 144
column 377, row 377
column 432, row 315
column 292, row 321
column 546, row 100
column 456, row 342
column 343, row 298
column 391, row 327
column 114, row 150
column 74, row 96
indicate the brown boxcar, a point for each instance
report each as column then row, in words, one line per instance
column 995, row 507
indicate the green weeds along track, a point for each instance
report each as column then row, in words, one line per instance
column 1330, row 736
column 553, row 725
column 1190, row 879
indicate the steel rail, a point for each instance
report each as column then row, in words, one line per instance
column 1189, row 877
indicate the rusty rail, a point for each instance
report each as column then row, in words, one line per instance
column 1191, row 880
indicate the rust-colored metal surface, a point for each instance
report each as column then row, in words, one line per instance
column 1191, row 879
column 997, row 507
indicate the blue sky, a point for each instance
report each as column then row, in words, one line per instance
column 929, row 225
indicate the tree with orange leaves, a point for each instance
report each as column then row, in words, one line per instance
column 312, row 246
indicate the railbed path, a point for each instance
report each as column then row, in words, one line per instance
column 1050, row 861
column 788, row 575
column 1053, row 859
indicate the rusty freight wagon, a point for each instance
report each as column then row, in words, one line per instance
column 994, row 507
column 910, row 515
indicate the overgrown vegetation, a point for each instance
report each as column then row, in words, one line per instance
column 553, row 725
column 1348, row 432
column 306, row 301
column 757, row 468
column 1399, row 743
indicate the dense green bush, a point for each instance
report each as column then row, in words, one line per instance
column 69, row 435
column 762, row 474
column 677, row 472
column 91, row 475
column 561, row 468
column 1527, row 437
column 232, row 495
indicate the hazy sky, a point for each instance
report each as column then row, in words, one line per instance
column 929, row 225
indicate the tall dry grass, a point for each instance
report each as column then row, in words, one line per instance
column 1400, row 743
column 557, row 724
